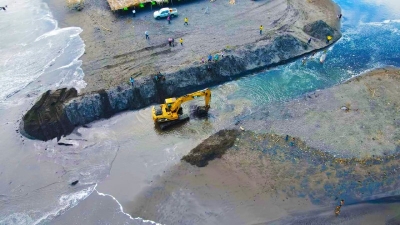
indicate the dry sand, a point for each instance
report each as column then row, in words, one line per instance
column 116, row 47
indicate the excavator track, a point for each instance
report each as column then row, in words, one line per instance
column 168, row 124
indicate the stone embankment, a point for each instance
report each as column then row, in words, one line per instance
column 56, row 113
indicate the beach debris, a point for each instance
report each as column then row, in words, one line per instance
column 344, row 108
column 241, row 128
column 64, row 144
column 232, row 2
column 74, row 183
column 322, row 58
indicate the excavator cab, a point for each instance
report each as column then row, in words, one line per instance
column 169, row 102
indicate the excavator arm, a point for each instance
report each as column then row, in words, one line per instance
column 206, row 93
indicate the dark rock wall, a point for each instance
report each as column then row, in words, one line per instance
column 105, row 103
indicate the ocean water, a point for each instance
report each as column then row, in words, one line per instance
column 370, row 30
column 36, row 55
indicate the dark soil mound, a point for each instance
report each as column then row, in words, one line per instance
column 47, row 119
column 319, row 29
column 213, row 147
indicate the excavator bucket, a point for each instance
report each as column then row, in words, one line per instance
column 198, row 111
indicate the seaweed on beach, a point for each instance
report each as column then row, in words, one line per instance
column 287, row 164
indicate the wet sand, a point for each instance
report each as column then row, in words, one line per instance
column 116, row 48
column 265, row 177
column 367, row 126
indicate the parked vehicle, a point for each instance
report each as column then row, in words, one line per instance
column 164, row 12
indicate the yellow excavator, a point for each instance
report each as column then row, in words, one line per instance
column 171, row 113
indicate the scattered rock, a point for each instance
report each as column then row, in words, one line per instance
column 74, row 183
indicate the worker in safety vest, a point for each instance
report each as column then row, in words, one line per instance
column 328, row 39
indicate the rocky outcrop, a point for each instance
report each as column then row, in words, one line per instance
column 47, row 119
column 105, row 103
column 213, row 147
column 320, row 30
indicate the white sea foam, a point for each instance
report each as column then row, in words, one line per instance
column 66, row 202
column 122, row 210
column 31, row 49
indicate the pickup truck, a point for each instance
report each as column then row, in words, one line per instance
column 164, row 12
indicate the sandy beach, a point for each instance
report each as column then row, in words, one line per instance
column 116, row 48
column 265, row 177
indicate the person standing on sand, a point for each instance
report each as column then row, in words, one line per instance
column 131, row 80
column 147, row 34
column 261, row 29
column 207, row 11
column 186, row 21
column 170, row 42
column 181, row 41
column 169, row 19
column 209, row 58
column 309, row 41
column 134, row 12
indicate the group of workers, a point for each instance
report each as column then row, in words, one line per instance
column 171, row 42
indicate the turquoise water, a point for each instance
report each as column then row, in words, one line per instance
column 370, row 40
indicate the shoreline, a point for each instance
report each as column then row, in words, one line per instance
column 287, row 44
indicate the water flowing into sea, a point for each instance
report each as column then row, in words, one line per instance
column 36, row 55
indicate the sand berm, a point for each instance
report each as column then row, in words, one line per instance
column 116, row 49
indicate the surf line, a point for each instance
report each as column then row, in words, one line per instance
column 122, row 209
